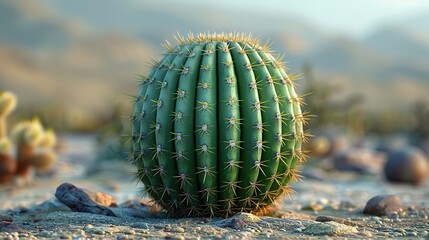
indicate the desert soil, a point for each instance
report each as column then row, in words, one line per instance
column 334, row 199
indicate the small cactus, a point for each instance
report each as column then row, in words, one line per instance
column 7, row 163
column 45, row 157
column 7, row 105
column 217, row 127
column 27, row 136
column 34, row 147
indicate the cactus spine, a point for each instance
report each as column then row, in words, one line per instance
column 217, row 127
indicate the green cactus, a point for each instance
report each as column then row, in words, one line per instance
column 217, row 127
column 45, row 156
column 7, row 105
column 7, row 163
column 34, row 147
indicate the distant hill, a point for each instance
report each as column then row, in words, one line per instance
column 73, row 54
column 32, row 24
column 400, row 42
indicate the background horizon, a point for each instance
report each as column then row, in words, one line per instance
column 76, row 61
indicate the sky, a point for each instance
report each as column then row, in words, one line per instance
column 352, row 17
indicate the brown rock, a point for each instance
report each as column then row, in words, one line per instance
column 408, row 165
column 382, row 205
column 101, row 198
column 79, row 201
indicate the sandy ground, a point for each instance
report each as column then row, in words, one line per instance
column 337, row 195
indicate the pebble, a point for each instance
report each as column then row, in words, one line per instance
column 122, row 237
column 366, row 233
column 102, row 230
column 66, row 236
column 130, row 232
column 239, row 221
column 140, row 225
column 329, row 228
column 177, row 237
column 247, row 217
column 178, row 229
column 382, row 205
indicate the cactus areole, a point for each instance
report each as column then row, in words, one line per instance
column 217, row 127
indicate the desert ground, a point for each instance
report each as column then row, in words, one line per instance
column 326, row 204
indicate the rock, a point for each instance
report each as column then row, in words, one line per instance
column 335, row 219
column 382, row 205
column 329, row 228
column 235, row 223
column 102, row 230
column 100, row 198
column 142, row 225
column 78, row 201
column 10, row 227
column 360, row 160
column 247, row 217
column 238, row 221
column 50, row 205
column 408, row 165
column 6, row 218
column 122, row 237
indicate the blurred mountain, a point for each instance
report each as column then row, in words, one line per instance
column 31, row 24
column 155, row 21
column 83, row 55
column 51, row 61
column 400, row 42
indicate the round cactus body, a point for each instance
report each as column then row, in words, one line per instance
column 217, row 127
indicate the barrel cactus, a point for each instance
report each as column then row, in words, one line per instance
column 217, row 127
